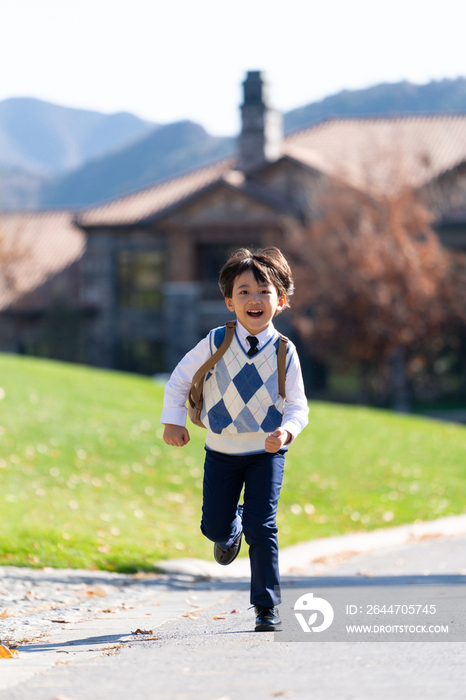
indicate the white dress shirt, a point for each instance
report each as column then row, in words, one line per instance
column 295, row 414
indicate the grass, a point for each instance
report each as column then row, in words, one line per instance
column 86, row 480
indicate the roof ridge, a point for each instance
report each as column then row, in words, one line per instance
column 393, row 116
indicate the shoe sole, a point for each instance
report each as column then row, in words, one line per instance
column 226, row 563
column 268, row 628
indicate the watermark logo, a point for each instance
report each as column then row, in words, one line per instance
column 312, row 605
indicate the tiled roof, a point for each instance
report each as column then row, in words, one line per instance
column 370, row 151
column 144, row 203
column 375, row 151
column 49, row 242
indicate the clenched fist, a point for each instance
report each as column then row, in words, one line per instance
column 175, row 435
column 276, row 440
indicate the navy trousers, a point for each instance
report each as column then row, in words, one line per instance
column 262, row 476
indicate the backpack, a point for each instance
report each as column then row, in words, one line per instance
column 196, row 395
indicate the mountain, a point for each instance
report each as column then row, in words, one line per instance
column 48, row 139
column 184, row 145
column 164, row 152
column 448, row 95
column 52, row 156
column 20, row 189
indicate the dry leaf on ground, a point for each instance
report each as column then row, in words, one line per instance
column 4, row 614
column 219, row 617
column 6, row 653
column 97, row 591
column 139, row 631
column 190, row 614
column 60, row 621
column 111, row 649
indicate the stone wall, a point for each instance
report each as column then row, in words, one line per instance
column 111, row 324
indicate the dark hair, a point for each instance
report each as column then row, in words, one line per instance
column 267, row 265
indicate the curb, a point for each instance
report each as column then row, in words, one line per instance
column 300, row 557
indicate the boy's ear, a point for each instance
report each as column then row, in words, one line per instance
column 281, row 302
column 280, row 305
column 230, row 305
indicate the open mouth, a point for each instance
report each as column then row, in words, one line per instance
column 255, row 313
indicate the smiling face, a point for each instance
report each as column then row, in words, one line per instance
column 254, row 303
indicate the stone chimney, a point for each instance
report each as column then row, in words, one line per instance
column 262, row 127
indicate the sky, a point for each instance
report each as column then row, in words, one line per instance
column 167, row 60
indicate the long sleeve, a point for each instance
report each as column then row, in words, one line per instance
column 177, row 388
column 296, row 411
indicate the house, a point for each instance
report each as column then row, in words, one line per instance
column 132, row 283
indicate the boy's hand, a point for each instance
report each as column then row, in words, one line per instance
column 276, row 440
column 175, row 435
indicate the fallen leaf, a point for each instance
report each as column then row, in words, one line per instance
column 111, row 649
column 4, row 614
column 108, row 610
column 235, row 611
column 219, row 617
column 190, row 614
column 60, row 621
column 97, row 591
column 139, row 631
column 6, row 653
column 366, row 574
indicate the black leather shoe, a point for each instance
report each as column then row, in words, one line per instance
column 226, row 556
column 267, row 619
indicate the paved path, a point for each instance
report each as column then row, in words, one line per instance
column 83, row 648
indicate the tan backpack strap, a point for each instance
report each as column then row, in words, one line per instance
column 194, row 395
column 281, row 364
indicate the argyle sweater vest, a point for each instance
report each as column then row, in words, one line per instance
column 241, row 400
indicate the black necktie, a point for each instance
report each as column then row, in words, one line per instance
column 253, row 342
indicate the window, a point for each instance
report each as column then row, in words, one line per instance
column 140, row 277
column 211, row 259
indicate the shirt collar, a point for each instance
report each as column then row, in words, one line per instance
column 262, row 337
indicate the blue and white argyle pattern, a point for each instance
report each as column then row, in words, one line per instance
column 241, row 392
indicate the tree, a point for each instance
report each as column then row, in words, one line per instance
column 373, row 281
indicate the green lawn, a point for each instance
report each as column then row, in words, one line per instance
column 86, row 480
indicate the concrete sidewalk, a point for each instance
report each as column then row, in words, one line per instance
column 71, row 627
column 125, row 612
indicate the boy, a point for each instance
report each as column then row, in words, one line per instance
column 249, row 425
